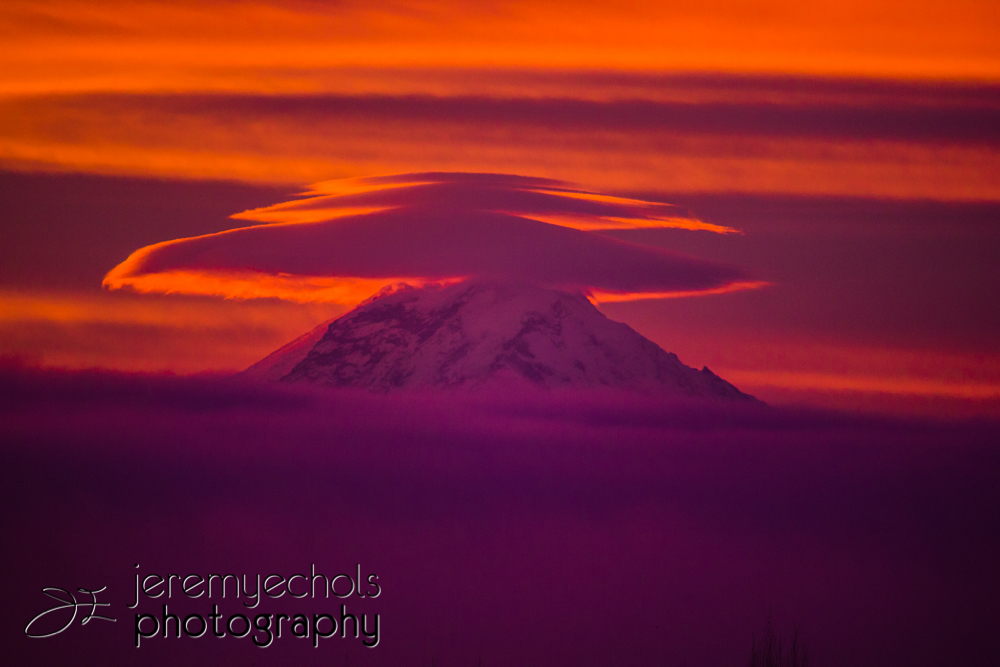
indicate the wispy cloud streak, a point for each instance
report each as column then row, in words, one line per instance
column 902, row 142
column 429, row 228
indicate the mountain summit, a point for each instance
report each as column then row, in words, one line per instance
column 475, row 334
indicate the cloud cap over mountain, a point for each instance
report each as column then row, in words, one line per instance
column 346, row 239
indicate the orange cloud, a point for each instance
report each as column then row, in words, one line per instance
column 339, row 199
column 121, row 331
column 263, row 140
column 869, row 384
column 598, row 296
column 422, row 228
column 653, row 215
column 340, row 290
column 841, row 374
column 83, row 45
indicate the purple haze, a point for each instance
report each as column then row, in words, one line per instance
column 549, row 529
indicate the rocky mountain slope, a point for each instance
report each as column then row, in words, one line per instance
column 478, row 334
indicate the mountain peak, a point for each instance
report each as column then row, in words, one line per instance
column 478, row 333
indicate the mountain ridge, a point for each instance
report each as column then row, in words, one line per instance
column 478, row 334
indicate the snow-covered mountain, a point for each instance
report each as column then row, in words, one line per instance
column 476, row 334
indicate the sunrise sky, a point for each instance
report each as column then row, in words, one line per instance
column 828, row 170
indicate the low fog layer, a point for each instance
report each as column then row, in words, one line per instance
column 586, row 529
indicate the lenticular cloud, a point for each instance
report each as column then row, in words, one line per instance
column 343, row 240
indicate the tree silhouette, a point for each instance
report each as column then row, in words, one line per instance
column 768, row 649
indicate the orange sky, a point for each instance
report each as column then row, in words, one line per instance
column 257, row 141
column 591, row 51
column 293, row 93
column 177, row 46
